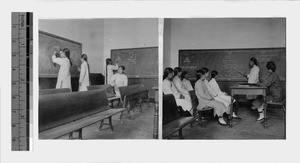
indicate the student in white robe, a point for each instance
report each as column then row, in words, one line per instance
column 253, row 76
column 84, row 79
column 64, row 76
column 110, row 70
column 186, row 83
column 221, row 96
column 169, row 88
column 118, row 80
column 206, row 100
column 179, row 85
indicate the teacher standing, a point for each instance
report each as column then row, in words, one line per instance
column 64, row 76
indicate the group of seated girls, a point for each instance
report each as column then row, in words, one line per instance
column 209, row 93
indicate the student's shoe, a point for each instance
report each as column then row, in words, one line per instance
column 222, row 121
column 235, row 116
column 261, row 116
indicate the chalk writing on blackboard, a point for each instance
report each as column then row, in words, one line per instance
column 132, row 58
column 187, row 60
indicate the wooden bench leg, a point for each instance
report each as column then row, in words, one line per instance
column 112, row 103
column 230, row 115
column 200, row 119
column 110, row 123
column 71, row 135
column 180, row 136
column 101, row 125
column 80, row 133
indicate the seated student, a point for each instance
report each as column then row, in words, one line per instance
column 221, row 96
column 118, row 80
column 206, row 100
column 110, row 69
column 179, row 85
column 186, row 83
column 274, row 92
column 169, row 88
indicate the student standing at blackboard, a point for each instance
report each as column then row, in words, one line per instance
column 186, row 83
column 118, row 80
column 253, row 76
column 206, row 100
column 64, row 76
column 84, row 79
column 110, row 70
column 169, row 88
column 274, row 92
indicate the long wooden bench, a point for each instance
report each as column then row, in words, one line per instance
column 172, row 122
column 53, row 91
column 109, row 92
column 64, row 113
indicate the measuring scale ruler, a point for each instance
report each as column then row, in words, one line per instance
column 21, row 84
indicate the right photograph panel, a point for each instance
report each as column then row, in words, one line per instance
column 224, row 78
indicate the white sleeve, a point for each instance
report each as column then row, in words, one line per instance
column 179, row 88
column 167, row 89
column 116, row 67
column 83, row 71
column 125, row 81
column 253, row 76
column 57, row 60
column 210, row 91
column 112, row 80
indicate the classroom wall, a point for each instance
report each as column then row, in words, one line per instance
column 88, row 32
column 99, row 36
column 221, row 33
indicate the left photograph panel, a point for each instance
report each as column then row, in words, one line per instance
column 98, row 78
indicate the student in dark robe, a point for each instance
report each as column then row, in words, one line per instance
column 274, row 92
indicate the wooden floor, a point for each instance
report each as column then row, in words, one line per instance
column 139, row 127
column 246, row 128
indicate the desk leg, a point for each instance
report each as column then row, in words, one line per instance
column 155, row 129
column 231, row 115
column 265, row 112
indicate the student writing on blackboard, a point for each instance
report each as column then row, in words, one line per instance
column 221, row 96
column 169, row 88
column 110, row 69
column 84, row 79
column 186, row 83
column 274, row 93
column 64, row 76
column 179, row 85
column 118, row 80
column 206, row 100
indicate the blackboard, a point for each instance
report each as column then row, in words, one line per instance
column 138, row 62
column 223, row 59
column 47, row 44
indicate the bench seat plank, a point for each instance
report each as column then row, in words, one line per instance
column 78, row 124
column 174, row 126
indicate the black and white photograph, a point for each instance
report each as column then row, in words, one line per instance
column 98, row 78
column 224, row 78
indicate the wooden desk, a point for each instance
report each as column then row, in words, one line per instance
column 155, row 129
column 248, row 90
